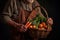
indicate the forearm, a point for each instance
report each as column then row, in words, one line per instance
column 9, row 21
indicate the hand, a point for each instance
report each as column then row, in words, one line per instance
column 50, row 21
column 49, row 28
column 21, row 28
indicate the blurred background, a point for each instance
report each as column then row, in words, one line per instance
column 52, row 7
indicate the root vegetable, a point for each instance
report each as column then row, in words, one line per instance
column 28, row 24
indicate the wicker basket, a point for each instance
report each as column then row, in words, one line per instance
column 35, row 33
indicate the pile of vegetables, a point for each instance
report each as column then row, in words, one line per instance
column 38, row 22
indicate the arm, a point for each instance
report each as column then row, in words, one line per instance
column 7, row 13
column 9, row 21
column 6, row 16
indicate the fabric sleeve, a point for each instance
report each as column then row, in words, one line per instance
column 7, row 13
column 8, row 9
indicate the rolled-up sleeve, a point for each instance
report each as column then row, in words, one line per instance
column 7, row 12
column 8, row 9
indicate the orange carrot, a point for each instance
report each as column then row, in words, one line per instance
column 28, row 24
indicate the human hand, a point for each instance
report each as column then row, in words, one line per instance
column 21, row 28
column 50, row 21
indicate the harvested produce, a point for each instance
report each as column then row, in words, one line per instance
column 37, row 22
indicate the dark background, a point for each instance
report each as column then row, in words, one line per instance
column 52, row 7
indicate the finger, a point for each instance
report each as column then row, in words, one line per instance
column 50, row 19
column 23, row 29
column 50, row 22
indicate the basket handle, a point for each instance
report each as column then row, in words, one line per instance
column 45, row 12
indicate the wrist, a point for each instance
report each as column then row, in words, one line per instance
column 12, row 23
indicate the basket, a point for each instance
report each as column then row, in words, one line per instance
column 35, row 33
